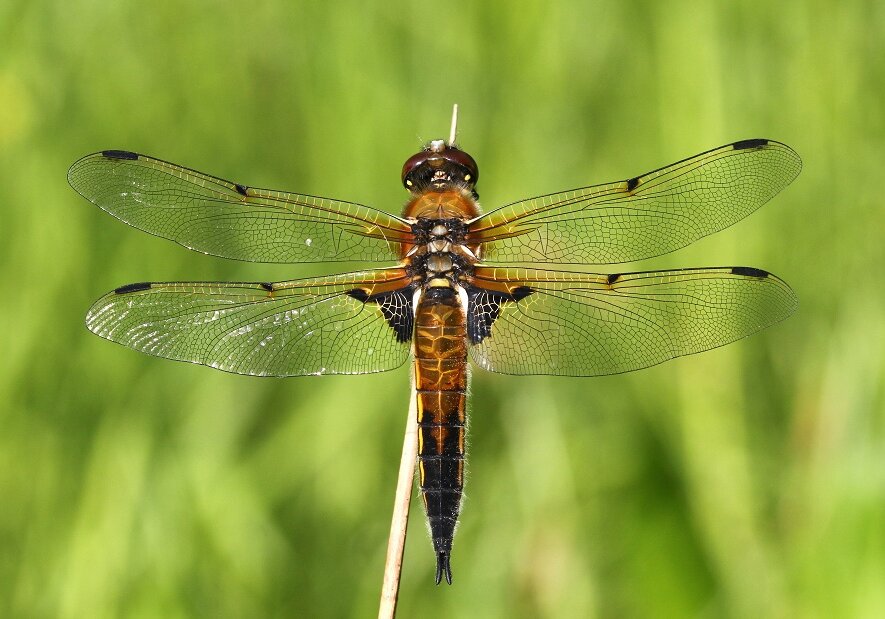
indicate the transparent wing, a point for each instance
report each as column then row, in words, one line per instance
column 575, row 324
column 641, row 217
column 227, row 219
column 327, row 325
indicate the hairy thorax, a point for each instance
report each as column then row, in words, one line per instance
column 450, row 203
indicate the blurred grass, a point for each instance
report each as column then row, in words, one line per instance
column 745, row 482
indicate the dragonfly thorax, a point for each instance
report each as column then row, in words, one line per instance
column 439, row 263
column 436, row 234
column 427, row 265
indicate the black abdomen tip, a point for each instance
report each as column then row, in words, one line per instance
column 754, row 143
column 133, row 288
column 443, row 567
column 119, row 154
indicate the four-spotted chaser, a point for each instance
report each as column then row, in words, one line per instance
column 458, row 284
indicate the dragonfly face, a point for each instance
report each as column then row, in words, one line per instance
column 450, row 290
column 439, row 166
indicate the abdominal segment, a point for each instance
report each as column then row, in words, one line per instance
column 441, row 384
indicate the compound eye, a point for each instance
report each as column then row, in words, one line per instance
column 412, row 163
column 471, row 170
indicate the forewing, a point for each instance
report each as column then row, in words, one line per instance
column 227, row 219
column 355, row 323
column 574, row 324
column 641, row 217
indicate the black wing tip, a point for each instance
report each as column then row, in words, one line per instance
column 443, row 568
column 119, row 154
column 137, row 287
column 749, row 272
column 772, row 144
column 751, row 143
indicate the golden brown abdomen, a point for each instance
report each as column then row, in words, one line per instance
column 441, row 383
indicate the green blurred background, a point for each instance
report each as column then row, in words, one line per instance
column 745, row 482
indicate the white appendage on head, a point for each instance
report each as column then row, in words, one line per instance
column 454, row 132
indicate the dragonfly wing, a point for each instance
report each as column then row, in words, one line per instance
column 641, row 217
column 582, row 324
column 223, row 218
column 354, row 323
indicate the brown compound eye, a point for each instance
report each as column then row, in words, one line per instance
column 413, row 162
column 471, row 170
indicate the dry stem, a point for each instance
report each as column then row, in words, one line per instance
column 400, row 522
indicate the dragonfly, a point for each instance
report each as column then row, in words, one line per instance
column 449, row 282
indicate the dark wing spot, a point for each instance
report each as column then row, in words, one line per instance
column 133, row 288
column 749, row 272
column 613, row 278
column 241, row 189
column 267, row 286
column 521, row 293
column 754, row 143
column 632, row 183
column 359, row 294
column 484, row 307
column 395, row 306
column 119, row 154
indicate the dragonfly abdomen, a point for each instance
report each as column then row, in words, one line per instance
column 441, row 384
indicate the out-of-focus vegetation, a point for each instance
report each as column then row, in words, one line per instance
column 745, row 482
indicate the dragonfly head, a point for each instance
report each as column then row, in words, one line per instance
column 439, row 166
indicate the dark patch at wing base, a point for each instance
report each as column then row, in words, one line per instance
column 133, row 288
column 749, row 271
column 395, row 306
column 484, row 307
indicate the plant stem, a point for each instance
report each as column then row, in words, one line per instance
column 400, row 522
